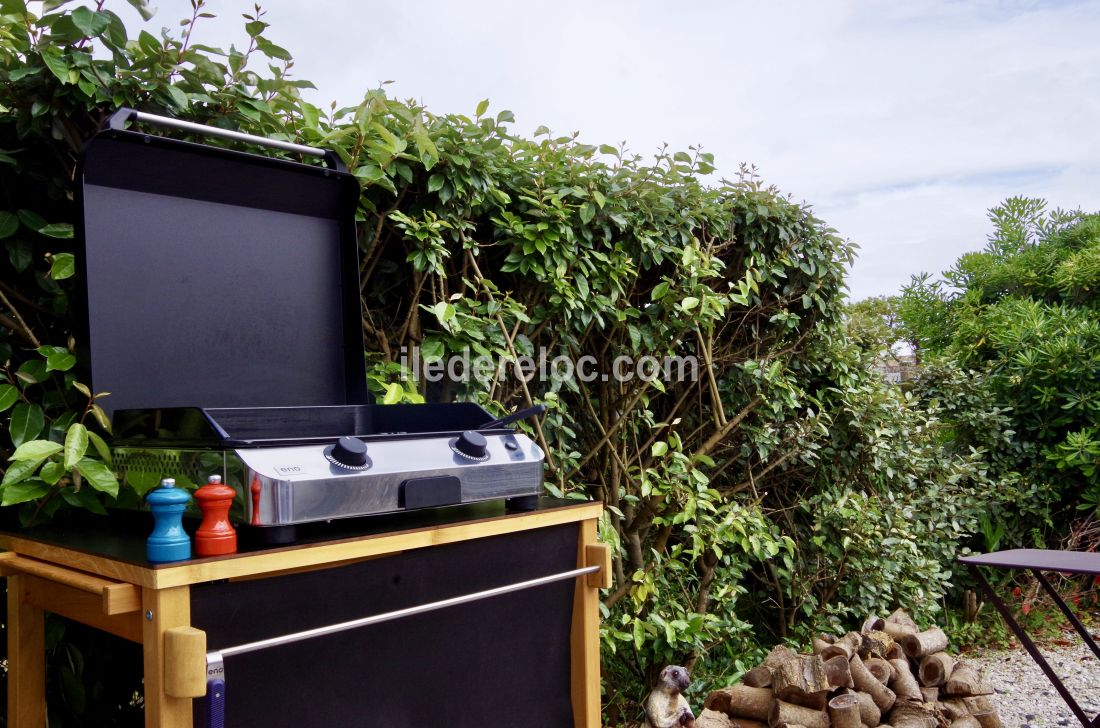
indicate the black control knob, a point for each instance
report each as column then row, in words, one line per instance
column 473, row 445
column 350, row 451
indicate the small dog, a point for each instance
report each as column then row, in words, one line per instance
column 666, row 707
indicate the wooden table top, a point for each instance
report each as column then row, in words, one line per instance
column 113, row 547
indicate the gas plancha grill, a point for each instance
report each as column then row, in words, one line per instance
column 224, row 318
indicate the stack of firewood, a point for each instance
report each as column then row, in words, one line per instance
column 888, row 674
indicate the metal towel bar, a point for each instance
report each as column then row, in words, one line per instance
column 214, row 659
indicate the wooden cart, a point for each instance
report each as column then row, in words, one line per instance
column 529, row 657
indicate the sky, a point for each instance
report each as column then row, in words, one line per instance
column 900, row 122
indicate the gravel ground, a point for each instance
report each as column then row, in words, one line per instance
column 1024, row 695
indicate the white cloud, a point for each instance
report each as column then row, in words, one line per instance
column 901, row 122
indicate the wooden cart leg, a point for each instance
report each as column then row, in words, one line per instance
column 163, row 609
column 585, row 638
column 26, row 659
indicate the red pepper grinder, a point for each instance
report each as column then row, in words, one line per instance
column 215, row 536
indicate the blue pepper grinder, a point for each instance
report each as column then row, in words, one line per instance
column 168, row 542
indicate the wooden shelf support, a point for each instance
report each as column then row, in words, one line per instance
column 116, row 597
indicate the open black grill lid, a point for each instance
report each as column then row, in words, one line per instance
column 217, row 278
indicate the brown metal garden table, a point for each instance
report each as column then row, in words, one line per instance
column 1038, row 561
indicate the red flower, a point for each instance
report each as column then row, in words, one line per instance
column 1026, row 607
column 1018, row 591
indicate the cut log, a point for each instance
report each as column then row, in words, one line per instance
column 844, row 712
column 897, row 631
column 802, row 680
column 867, row 683
column 966, row 680
column 746, row 723
column 876, row 644
column 715, row 719
column 741, row 701
column 869, row 713
column 712, row 719
column 873, row 624
column 967, row 721
column 789, row 714
column 899, row 624
column 906, row 715
column 758, row 677
column 900, row 616
column 924, row 643
column 895, row 652
column 935, row 669
column 847, row 645
column 838, row 673
column 820, row 643
column 881, row 669
column 988, row 719
column 930, row 695
column 978, row 704
column 954, row 708
column 778, row 655
column 905, row 685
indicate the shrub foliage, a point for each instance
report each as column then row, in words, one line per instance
column 1020, row 320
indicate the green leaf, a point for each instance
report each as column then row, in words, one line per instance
column 19, row 471
column 63, row 266
column 20, row 253
column 582, row 286
column 101, row 417
column 9, row 395
column 393, row 393
column 57, row 230
column 482, row 107
column 25, row 424
column 9, row 223
column 271, row 50
column 76, row 444
column 659, row 291
column 179, row 98
column 36, row 450
column 99, row 476
column 429, row 155
column 658, row 448
column 101, row 447
column 13, row 7
column 148, row 43
column 143, row 8
column 505, row 116
column 588, row 211
column 51, row 472
column 432, row 350
column 84, row 498
column 32, row 372
column 32, row 219
column 435, row 182
column 51, row 56
column 689, row 303
column 60, row 362
column 254, row 28
column 23, row 492
column 90, row 23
